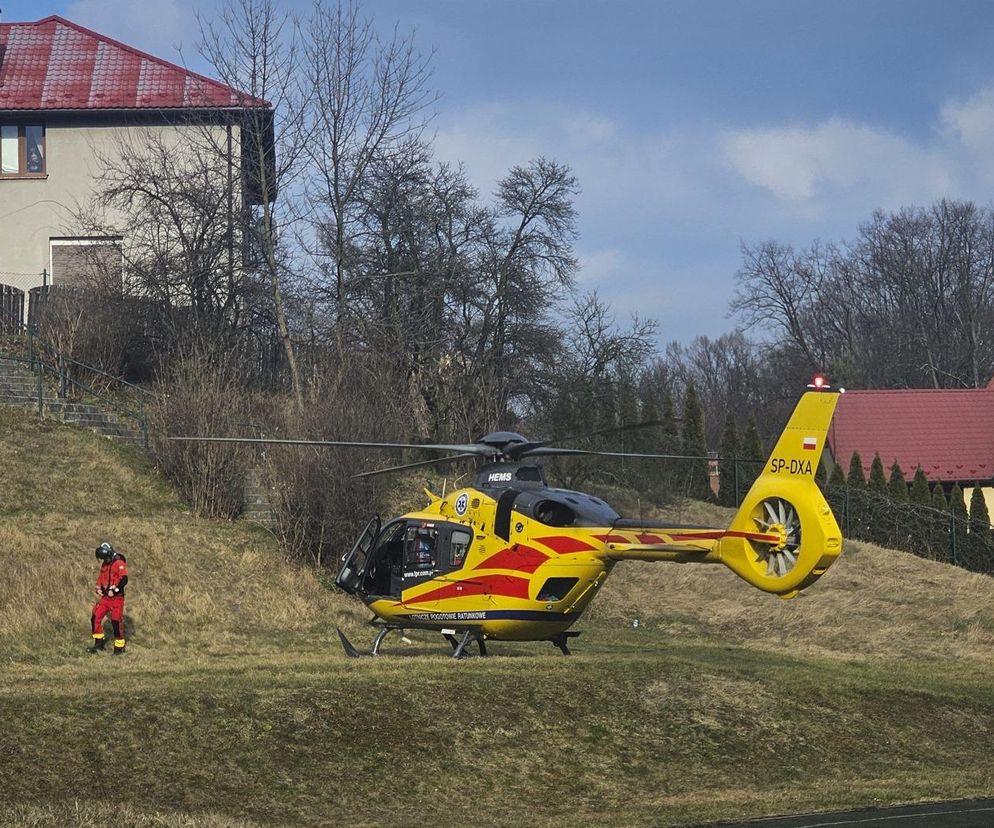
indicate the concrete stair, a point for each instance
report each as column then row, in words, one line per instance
column 19, row 387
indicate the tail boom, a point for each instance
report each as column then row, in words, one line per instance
column 783, row 537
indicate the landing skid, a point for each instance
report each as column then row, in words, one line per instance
column 352, row 652
column 561, row 640
column 459, row 645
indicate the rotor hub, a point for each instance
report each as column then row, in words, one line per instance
column 780, row 531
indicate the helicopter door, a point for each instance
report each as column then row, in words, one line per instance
column 353, row 565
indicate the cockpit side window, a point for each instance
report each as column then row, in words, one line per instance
column 552, row 513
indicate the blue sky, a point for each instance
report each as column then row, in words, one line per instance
column 692, row 126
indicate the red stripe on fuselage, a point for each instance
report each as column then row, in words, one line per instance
column 507, row 586
column 613, row 538
column 690, row 536
column 756, row 536
column 565, row 545
column 518, row 557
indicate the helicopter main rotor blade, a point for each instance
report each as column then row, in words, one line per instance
column 552, row 450
column 431, row 462
column 528, row 449
column 468, row 448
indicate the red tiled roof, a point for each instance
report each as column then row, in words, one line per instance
column 54, row 64
column 949, row 433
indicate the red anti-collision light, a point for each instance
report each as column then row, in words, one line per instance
column 819, row 381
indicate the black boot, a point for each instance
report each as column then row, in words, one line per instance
column 97, row 646
column 118, row 650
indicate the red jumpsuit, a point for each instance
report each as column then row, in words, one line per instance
column 111, row 581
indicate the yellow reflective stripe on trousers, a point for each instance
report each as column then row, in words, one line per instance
column 118, row 642
column 98, row 636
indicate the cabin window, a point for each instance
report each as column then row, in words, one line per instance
column 22, row 151
column 459, row 547
column 419, row 550
column 556, row 589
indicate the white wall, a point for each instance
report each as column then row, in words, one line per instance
column 33, row 211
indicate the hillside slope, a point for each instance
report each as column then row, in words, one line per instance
column 235, row 706
column 213, row 587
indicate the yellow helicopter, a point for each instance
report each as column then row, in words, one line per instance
column 509, row 558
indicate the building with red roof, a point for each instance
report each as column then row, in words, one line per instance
column 949, row 433
column 67, row 96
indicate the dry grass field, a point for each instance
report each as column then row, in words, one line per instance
column 235, row 706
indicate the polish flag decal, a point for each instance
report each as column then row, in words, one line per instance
column 810, row 443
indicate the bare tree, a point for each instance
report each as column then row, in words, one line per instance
column 371, row 97
column 909, row 303
column 166, row 195
column 777, row 288
column 254, row 48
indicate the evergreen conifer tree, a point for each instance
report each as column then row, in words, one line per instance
column 920, row 521
column 833, row 485
column 837, row 477
column 920, row 494
column 958, row 525
column 939, row 500
column 670, row 472
column 877, row 482
column 669, row 426
column 898, row 486
column 939, row 548
column 728, row 455
column 878, row 509
column 698, row 480
column 752, row 454
column 856, row 477
column 857, row 501
column 980, row 532
column 902, row 531
column 957, row 504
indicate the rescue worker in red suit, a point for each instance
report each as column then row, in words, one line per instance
column 111, row 581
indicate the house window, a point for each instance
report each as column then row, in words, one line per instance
column 22, row 151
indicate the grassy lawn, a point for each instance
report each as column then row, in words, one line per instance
column 637, row 730
column 236, row 707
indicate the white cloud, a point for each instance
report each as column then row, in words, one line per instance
column 660, row 216
column 836, row 159
column 970, row 122
column 621, row 174
column 162, row 32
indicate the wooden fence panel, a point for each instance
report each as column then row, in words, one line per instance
column 11, row 309
column 37, row 297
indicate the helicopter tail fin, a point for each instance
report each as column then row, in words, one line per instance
column 785, row 502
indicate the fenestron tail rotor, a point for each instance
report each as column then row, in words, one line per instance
column 776, row 516
column 783, row 501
